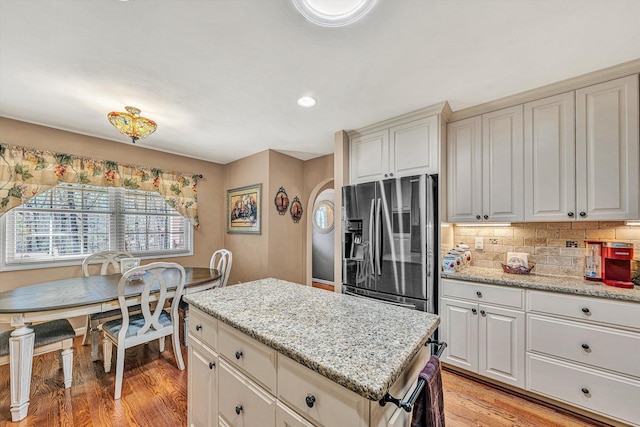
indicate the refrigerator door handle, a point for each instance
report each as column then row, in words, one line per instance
column 371, row 235
column 378, row 236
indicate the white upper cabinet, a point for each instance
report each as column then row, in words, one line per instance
column 607, row 150
column 549, row 145
column 485, row 180
column 581, row 159
column 407, row 149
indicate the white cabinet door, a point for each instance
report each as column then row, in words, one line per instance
column 607, row 150
column 549, row 159
column 369, row 157
column 203, row 385
column 502, row 165
column 460, row 329
column 464, row 170
column 414, row 148
column 501, row 342
column 286, row 417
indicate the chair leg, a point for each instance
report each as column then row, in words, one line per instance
column 95, row 337
column 176, row 350
column 119, row 372
column 87, row 329
column 107, row 346
column 185, row 323
column 161, row 344
column 66, row 356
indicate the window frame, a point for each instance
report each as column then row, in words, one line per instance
column 116, row 233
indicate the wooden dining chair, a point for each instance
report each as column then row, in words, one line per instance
column 56, row 335
column 154, row 322
column 221, row 260
column 109, row 263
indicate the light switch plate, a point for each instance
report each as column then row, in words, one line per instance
column 479, row 243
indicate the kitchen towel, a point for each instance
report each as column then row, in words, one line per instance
column 428, row 410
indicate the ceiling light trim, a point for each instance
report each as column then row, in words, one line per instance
column 326, row 19
column 306, row 101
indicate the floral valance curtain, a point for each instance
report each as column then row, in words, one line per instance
column 27, row 172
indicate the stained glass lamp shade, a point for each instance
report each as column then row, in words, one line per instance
column 132, row 123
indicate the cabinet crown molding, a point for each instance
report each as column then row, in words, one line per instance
column 574, row 83
column 441, row 108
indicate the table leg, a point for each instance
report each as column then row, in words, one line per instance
column 21, row 360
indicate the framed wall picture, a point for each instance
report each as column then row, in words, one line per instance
column 244, row 211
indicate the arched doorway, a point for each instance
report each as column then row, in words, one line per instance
column 323, row 192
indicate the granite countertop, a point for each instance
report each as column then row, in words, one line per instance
column 564, row 284
column 360, row 344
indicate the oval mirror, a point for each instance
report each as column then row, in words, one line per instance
column 323, row 216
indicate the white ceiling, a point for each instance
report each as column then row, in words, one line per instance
column 221, row 77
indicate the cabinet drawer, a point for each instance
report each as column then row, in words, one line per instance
column 618, row 313
column 255, row 359
column 319, row 399
column 286, row 417
column 607, row 348
column 242, row 402
column 487, row 294
column 204, row 327
column 608, row 394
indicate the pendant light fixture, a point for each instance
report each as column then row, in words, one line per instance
column 132, row 123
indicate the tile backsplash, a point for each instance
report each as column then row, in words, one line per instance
column 557, row 248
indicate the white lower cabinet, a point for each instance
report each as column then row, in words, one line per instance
column 236, row 381
column 585, row 351
column 482, row 337
column 580, row 350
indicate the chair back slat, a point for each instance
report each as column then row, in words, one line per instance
column 222, row 260
column 106, row 259
column 157, row 277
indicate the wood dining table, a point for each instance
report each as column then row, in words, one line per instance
column 61, row 299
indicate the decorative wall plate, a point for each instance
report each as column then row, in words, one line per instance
column 281, row 201
column 296, row 210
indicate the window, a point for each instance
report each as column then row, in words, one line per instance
column 65, row 224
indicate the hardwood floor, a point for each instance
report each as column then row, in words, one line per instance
column 154, row 394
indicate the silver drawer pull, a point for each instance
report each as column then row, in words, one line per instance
column 239, row 409
column 311, row 399
column 238, row 354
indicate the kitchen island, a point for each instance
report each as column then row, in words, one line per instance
column 310, row 357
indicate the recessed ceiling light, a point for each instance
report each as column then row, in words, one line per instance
column 332, row 13
column 306, row 101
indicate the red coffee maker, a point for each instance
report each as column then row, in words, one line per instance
column 616, row 264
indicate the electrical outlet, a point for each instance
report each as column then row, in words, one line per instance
column 479, row 243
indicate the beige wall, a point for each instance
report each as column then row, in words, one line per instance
column 210, row 235
column 546, row 243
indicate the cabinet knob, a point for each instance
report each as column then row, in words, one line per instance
column 585, row 346
column 311, row 399
column 212, row 365
column 239, row 409
column 474, row 311
column 585, row 390
column 583, row 214
column 586, row 310
column 386, row 175
column 198, row 327
column 483, row 312
column 238, row 354
column 390, row 174
column 478, row 217
column 486, row 217
column 571, row 214
column 479, row 294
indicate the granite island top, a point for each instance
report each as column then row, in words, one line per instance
column 360, row 344
column 563, row 284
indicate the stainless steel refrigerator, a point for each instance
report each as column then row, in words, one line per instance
column 389, row 241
